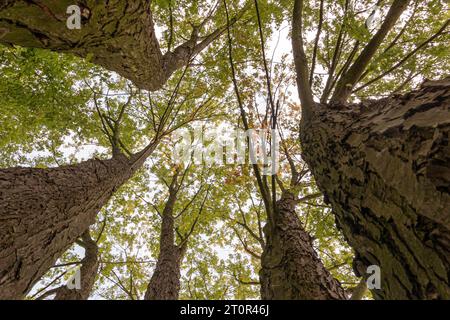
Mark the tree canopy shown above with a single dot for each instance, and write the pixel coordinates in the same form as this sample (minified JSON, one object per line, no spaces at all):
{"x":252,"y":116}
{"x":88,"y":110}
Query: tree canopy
{"x":222,"y":66}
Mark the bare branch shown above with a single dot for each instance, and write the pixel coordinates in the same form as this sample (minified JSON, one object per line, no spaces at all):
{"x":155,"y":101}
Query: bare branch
{"x":244,"y":244}
{"x":336,"y":56}
{"x":47,"y":286}
{"x":309,"y":197}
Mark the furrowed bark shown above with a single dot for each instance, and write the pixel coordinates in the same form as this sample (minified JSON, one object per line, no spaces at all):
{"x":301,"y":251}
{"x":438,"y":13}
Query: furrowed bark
{"x":165,"y":281}
{"x":385,"y":170}
{"x":348,"y":80}
{"x":118,"y":35}
{"x":44,"y":211}
{"x":291,"y":269}
{"x":88,"y":270}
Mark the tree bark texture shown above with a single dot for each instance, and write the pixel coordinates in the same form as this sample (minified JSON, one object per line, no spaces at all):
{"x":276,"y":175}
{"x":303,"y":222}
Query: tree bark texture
{"x":88,"y":271}
{"x":44,"y":211}
{"x":118,"y":35}
{"x":165,"y":281}
{"x":384,"y":167}
{"x":291,"y":269}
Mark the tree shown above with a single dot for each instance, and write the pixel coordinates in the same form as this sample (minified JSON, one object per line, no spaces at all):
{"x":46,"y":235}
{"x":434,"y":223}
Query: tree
{"x":88,"y":272}
{"x":375,"y":142}
{"x":165,"y":281}
{"x":39,"y":196}
{"x":118,"y":35}
{"x":381,"y":164}
{"x":290,"y":267}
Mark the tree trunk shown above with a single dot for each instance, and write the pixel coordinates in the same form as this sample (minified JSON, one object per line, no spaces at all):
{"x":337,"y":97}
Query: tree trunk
{"x":348,"y":80}
{"x":385,"y":169}
{"x":165,"y":281}
{"x":118,"y":35}
{"x":44,"y":211}
{"x":88,"y":271}
{"x":291,"y":269}
{"x":359,"y":291}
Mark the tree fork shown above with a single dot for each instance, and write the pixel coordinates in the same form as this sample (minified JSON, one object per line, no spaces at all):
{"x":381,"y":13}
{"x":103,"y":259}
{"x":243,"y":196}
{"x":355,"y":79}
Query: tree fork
{"x":118,"y":35}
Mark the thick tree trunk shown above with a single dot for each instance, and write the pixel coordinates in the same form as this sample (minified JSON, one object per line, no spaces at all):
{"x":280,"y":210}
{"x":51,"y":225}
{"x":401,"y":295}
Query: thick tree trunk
{"x":88,"y":271}
{"x":44,"y":211}
{"x":118,"y":35}
{"x":385,"y":169}
{"x":165,"y":281}
{"x":291,"y":269}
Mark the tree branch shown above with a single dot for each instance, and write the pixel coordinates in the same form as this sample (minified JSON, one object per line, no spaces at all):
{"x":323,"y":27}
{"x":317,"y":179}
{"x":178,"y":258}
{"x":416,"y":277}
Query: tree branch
{"x":301,"y":63}
{"x":405,"y":58}
{"x":346,"y":84}
{"x":316,"y":43}
{"x":263,"y":188}
{"x":336,"y":56}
